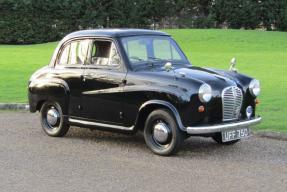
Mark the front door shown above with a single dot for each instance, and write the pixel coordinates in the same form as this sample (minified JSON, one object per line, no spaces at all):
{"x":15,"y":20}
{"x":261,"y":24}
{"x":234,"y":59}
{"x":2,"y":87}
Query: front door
{"x":104,"y":77}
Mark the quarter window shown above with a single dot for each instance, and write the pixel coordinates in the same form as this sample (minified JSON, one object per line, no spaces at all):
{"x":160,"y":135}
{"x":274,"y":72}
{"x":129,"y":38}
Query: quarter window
{"x":65,"y":55}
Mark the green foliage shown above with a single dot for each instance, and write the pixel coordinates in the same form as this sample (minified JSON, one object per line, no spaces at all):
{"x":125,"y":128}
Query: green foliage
{"x":274,"y":12}
{"x":38,"y":21}
{"x":237,"y":13}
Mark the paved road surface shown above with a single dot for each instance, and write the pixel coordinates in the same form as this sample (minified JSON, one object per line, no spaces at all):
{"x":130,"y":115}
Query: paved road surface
{"x":87,"y":160}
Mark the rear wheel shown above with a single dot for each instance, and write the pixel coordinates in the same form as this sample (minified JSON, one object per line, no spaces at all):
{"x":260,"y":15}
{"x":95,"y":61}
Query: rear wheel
{"x":218,"y":138}
{"x":52,"y":119}
{"x":162,"y":134}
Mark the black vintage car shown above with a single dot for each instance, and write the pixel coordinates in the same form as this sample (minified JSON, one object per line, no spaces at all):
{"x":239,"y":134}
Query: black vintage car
{"x":140,"y":80}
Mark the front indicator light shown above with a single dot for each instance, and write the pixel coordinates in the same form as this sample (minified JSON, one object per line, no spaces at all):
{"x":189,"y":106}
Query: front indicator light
{"x":201,"y":109}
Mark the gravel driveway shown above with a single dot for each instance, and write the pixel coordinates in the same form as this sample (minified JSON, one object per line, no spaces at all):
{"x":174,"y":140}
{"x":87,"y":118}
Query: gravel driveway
{"x":87,"y":160}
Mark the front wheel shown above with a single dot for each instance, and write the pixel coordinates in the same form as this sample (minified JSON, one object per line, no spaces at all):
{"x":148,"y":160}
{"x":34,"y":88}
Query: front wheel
{"x":52,"y":119}
{"x":162,"y":134}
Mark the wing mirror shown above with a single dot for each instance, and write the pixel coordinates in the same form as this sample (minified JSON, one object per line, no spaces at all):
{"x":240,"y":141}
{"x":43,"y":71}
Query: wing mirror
{"x":168,"y":66}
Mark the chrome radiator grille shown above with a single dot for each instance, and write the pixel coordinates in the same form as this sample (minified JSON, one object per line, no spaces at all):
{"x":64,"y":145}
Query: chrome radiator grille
{"x":231,"y":103}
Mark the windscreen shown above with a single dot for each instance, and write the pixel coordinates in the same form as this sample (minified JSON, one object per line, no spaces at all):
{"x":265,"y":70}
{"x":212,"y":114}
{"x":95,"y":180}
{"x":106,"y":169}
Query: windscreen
{"x":156,"y":49}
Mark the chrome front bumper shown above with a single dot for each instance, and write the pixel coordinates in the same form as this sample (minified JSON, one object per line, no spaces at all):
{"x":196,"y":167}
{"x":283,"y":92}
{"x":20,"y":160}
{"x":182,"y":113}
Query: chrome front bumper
{"x":222,"y":127}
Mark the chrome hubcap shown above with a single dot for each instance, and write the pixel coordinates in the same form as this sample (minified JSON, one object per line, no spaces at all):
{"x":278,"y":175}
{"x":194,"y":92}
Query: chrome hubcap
{"x":53,"y":116}
{"x":161,"y":132}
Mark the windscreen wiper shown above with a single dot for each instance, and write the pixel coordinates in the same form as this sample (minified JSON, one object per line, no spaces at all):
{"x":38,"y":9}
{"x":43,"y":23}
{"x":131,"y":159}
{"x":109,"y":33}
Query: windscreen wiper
{"x":157,"y":59}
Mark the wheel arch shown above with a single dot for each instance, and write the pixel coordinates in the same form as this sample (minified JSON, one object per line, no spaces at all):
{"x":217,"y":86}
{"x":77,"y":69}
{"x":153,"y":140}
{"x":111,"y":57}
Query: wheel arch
{"x":41,"y":91}
{"x":40,"y":104}
{"x":149,"y":106}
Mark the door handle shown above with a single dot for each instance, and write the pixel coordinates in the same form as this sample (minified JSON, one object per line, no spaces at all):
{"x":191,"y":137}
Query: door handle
{"x":83,"y":78}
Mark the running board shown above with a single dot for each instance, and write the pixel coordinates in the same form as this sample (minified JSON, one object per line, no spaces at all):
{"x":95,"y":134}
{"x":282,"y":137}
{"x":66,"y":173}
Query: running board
{"x":90,"y":123}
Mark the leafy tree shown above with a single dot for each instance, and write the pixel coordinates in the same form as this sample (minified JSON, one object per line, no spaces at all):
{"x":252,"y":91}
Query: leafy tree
{"x":36,"y":21}
{"x":237,"y":13}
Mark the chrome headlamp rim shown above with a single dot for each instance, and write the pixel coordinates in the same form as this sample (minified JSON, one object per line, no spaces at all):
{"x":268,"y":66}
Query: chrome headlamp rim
{"x":205,"y":93}
{"x":254,"y":87}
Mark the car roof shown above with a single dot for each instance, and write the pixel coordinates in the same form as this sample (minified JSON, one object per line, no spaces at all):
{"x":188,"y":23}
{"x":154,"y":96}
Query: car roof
{"x":114,"y":33}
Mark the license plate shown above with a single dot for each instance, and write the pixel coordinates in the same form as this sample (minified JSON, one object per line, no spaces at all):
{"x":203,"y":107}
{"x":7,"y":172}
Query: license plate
{"x":235,"y":134}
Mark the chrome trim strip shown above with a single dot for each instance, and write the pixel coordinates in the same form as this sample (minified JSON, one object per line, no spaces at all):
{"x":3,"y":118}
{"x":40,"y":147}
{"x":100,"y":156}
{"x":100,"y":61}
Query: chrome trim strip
{"x":71,"y":120}
{"x":222,"y":127}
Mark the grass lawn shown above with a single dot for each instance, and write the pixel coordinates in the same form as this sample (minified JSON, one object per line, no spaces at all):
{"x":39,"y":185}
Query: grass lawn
{"x":262,"y":55}
{"x":17,"y":63}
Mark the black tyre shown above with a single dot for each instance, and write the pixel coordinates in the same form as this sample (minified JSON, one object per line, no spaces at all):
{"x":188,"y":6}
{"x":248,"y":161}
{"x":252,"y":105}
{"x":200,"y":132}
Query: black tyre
{"x":162,"y":134}
{"x":218,"y":138}
{"x":52,"y":119}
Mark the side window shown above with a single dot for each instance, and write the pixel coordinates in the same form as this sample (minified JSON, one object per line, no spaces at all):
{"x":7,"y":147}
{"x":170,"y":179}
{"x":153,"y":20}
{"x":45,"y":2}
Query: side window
{"x":75,"y":53}
{"x":104,"y":54}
